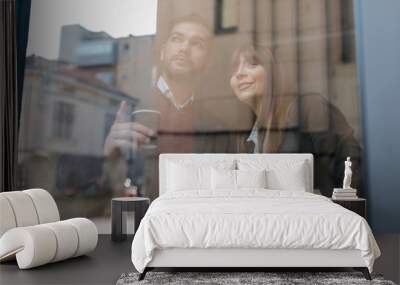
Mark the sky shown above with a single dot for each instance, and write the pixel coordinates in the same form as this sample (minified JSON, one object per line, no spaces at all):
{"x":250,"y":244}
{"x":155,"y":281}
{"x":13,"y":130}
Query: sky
{"x":119,"y":18}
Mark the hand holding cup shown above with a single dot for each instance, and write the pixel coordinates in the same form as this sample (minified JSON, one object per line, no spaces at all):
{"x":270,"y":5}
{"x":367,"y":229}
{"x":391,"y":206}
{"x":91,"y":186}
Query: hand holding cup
{"x":126,"y":134}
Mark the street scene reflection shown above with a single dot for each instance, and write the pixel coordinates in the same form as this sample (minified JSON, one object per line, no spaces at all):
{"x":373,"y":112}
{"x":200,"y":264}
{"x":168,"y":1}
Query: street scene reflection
{"x":216,"y":76}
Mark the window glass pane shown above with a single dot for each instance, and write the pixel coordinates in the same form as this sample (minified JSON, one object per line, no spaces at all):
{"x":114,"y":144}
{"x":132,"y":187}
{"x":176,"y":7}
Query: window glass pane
{"x":230,"y":16}
{"x":110,"y":87}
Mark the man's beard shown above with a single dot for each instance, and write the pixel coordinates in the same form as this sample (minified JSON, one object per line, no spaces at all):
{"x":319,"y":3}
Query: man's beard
{"x":180,"y":76}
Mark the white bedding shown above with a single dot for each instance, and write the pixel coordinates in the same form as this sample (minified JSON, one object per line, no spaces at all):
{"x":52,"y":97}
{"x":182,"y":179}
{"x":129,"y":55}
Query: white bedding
{"x":251,"y":218}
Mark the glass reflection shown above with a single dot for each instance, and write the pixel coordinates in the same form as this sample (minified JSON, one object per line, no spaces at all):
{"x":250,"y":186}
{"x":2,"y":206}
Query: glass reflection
{"x":301,"y":123}
{"x":223,"y":76}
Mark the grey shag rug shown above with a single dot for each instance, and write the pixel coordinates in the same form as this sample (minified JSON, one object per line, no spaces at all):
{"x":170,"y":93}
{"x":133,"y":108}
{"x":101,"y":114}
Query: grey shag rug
{"x":243,"y":278}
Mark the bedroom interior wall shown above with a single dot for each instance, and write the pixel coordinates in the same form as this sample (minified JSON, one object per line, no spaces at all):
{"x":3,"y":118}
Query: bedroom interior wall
{"x":90,"y":85}
{"x":378,"y":43}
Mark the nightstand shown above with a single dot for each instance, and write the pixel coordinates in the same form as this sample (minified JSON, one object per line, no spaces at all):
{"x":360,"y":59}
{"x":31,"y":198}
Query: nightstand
{"x":138,"y":205}
{"x":358,"y":206}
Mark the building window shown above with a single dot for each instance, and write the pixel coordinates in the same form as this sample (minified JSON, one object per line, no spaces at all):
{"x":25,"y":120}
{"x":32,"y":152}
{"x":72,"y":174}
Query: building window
{"x":347,"y":31}
{"x":106,"y":77}
{"x":63,"y":120}
{"x":226,"y":16}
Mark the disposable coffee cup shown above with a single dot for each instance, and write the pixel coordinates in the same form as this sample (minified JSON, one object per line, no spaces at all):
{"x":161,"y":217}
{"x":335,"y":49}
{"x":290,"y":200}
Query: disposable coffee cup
{"x":150,"y":119}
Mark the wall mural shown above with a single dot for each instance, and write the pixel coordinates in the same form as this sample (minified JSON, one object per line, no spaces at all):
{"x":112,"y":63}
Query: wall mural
{"x":217,"y":76}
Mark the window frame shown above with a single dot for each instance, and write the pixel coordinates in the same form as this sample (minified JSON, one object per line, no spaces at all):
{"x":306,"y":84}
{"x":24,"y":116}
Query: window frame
{"x":218,"y":20}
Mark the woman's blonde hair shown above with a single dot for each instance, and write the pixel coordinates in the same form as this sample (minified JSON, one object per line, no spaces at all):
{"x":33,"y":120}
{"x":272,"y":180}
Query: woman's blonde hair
{"x":274,"y":109}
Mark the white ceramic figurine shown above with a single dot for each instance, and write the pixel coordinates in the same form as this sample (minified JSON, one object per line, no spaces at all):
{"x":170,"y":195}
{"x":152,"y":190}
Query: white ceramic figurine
{"x":347,"y":174}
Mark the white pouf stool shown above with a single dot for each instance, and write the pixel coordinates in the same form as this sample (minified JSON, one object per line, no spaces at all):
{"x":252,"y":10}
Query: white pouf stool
{"x":31,"y":230}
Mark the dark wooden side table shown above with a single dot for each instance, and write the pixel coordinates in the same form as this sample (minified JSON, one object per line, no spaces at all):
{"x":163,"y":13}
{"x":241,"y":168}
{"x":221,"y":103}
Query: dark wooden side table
{"x":139,"y":205}
{"x":358,"y":205}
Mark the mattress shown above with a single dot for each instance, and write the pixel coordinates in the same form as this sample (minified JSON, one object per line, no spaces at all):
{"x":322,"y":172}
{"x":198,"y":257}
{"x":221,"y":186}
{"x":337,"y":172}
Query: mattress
{"x":251,"y":219}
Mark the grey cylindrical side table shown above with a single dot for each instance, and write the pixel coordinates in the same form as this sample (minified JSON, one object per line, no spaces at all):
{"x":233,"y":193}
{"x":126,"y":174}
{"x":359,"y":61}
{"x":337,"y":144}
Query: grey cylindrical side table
{"x":139,"y":205}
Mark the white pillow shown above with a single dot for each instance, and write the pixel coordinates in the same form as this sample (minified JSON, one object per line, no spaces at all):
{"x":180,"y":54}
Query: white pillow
{"x":281,"y":174}
{"x":236,"y":179}
{"x":251,"y":178}
{"x":192,"y":174}
{"x":292,"y":179}
{"x":223,"y":179}
{"x":188,"y":177}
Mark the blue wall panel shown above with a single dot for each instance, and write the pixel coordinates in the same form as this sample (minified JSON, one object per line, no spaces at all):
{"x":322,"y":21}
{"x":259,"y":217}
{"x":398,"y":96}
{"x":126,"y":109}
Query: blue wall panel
{"x":378,"y":58}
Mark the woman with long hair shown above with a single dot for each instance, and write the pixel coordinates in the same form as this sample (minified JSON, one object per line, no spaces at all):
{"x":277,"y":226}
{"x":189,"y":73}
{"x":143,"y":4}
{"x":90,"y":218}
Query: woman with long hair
{"x":257,"y":81}
{"x":292,"y":123}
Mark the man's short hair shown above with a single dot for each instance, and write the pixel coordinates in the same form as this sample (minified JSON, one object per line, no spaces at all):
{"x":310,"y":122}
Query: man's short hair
{"x":192,"y":18}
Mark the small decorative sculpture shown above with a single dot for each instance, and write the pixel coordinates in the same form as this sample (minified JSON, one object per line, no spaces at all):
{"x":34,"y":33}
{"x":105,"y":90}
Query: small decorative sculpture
{"x":347,"y":174}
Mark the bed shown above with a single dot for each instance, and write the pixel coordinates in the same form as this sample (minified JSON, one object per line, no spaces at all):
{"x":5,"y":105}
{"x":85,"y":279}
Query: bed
{"x":247,"y":210}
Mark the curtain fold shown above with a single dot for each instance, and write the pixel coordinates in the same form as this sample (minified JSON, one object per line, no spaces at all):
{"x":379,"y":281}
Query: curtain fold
{"x":8,"y":88}
{"x":12,"y":57}
{"x":23,"y":11}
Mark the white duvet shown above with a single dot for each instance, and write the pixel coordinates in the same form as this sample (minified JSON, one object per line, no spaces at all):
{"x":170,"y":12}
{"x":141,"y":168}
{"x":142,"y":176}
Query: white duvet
{"x":252,"y":218}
